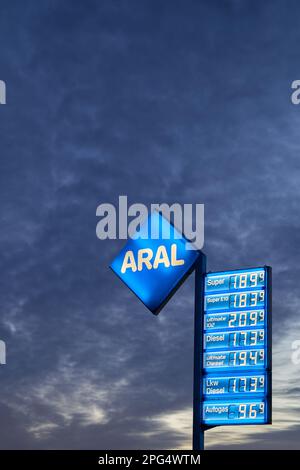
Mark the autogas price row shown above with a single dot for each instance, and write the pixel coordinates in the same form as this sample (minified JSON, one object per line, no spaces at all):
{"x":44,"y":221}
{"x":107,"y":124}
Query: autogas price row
{"x":231,"y":412}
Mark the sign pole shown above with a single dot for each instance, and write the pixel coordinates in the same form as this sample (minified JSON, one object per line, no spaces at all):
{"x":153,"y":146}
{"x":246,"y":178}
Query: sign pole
{"x":198,"y":426}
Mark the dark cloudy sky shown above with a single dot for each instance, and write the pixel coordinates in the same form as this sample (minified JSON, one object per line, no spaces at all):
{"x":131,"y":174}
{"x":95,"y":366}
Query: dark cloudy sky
{"x":174,"y":101}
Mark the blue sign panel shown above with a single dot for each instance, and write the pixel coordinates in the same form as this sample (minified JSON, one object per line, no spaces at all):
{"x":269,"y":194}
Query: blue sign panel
{"x":234,"y":385}
{"x":216,"y":321}
{"x":235,"y":412}
{"x":235,"y":339}
{"x":235,"y":280}
{"x":237,"y":359}
{"x":237,"y":347}
{"x":155,"y":261}
{"x":231,"y":301}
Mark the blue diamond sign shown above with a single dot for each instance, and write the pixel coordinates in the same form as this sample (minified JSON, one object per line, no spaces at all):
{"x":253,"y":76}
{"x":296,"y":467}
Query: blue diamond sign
{"x":155,"y":261}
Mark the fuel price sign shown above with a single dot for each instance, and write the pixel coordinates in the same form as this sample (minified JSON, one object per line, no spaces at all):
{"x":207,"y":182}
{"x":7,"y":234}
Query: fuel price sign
{"x":237,"y":348}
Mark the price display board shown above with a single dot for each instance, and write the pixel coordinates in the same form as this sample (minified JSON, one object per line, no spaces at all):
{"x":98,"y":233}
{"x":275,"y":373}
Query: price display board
{"x":236,"y":375}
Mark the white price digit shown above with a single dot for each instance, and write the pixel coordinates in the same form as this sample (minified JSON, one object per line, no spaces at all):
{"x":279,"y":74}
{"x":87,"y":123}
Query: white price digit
{"x":242,"y":300}
{"x":261,"y":315}
{"x":253,"y":384}
{"x":243,"y":383}
{"x":234,"y":281}
{"x":232,"y":359}
{"x":232,"y":339}
{"x":261,"y":408}
{"x":232,"y":319}
{"x":242,"y":358}
{"x":261,"y":382}
{"x":262,"y":355}
{"x":243,"y":337}
{"x":253,"y":299}
{"x":253,"y":279}
{"x":243,"y":281}
{"x":253,"y":338}
{"x":243,"y":319}
{"x":242,"y":411}
{"x":253,"y":318}
{"x":261,"y":335}
{"x":232,"y":385}
{"x":252,"y":411}
{"x":253,"y":357}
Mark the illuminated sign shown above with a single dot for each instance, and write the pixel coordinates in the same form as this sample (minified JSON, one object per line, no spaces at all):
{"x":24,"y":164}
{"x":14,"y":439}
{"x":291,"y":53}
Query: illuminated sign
{"x":234,"y":319}
{"x":234,"y":385}
{"x":235,"y":412}
{"x":155,"y":261}
{"x":243,"y":299}
{"x":237,"y":347}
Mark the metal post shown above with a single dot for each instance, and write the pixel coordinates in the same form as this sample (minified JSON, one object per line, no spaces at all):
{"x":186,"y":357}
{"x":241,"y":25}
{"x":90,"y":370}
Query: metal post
{"x":198,"y":427}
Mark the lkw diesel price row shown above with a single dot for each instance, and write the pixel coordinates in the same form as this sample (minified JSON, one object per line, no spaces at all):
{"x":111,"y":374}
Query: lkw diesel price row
{"x":234,"y":385}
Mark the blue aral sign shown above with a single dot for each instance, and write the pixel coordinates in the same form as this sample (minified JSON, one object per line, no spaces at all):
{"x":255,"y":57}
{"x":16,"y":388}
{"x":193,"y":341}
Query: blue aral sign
{"x":155,"y":261}
{"x":237,"y":347}
{"x":232,"y":341}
